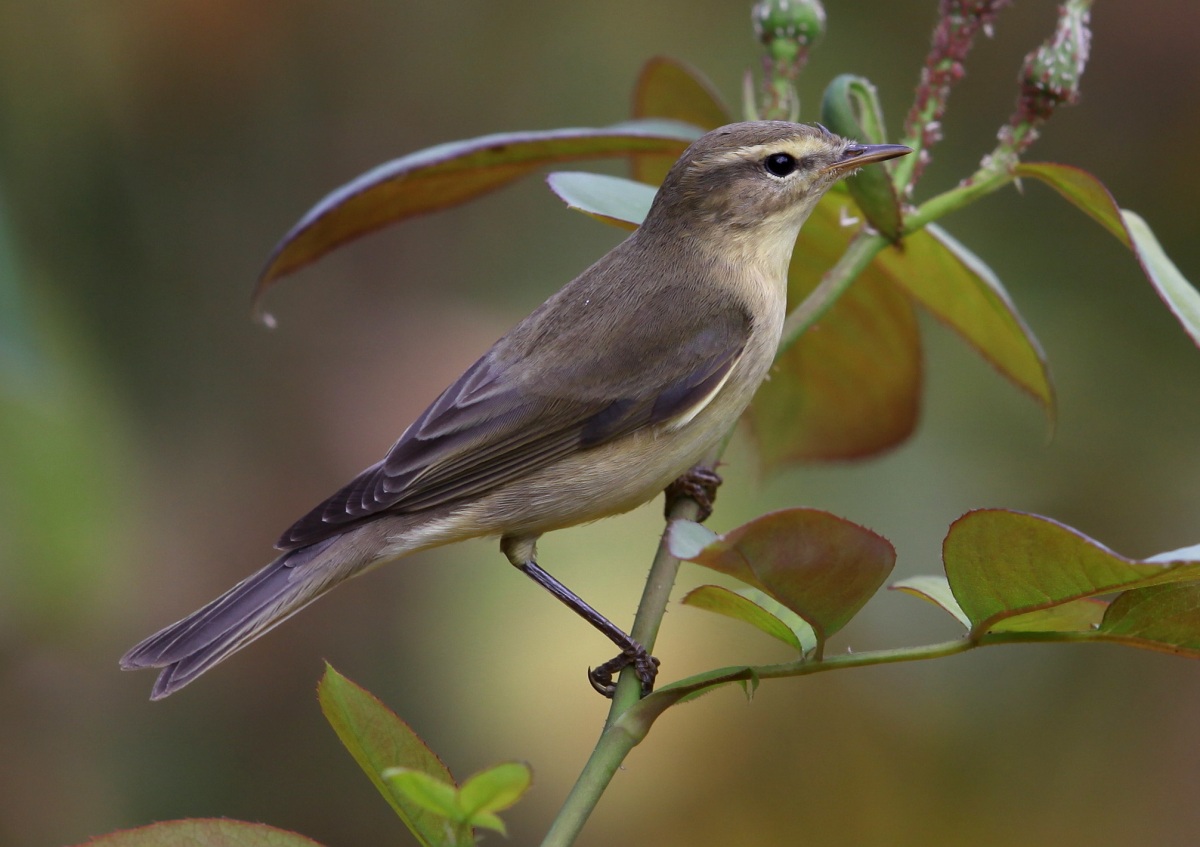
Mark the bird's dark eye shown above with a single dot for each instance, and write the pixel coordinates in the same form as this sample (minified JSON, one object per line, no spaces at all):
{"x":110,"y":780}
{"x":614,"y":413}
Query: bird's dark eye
{"x":780,"y":164}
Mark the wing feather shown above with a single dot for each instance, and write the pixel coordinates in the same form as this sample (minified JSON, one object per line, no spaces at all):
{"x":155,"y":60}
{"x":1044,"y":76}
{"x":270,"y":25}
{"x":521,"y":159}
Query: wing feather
{"x":530,"y":401}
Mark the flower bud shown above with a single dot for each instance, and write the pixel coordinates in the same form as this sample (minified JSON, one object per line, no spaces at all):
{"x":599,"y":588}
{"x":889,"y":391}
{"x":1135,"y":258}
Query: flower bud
{"x":1051,"y":74}
{"x":1049,"y":78}
{"x":787,"y":28}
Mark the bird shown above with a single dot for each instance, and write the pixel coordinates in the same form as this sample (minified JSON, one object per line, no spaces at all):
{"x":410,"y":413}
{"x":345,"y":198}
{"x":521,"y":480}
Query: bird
{"x":604,"y":395}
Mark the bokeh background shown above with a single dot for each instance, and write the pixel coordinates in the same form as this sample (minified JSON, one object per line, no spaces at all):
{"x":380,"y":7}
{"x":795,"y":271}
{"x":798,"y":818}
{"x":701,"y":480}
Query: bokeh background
{"x":154,"y":440}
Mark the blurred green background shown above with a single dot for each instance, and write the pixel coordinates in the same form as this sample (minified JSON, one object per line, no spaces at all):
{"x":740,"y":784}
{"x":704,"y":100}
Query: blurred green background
{"x":154,"y":440}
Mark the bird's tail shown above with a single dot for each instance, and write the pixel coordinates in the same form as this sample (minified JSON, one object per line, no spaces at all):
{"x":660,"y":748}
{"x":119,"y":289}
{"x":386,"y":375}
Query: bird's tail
{"x":188,"y":648}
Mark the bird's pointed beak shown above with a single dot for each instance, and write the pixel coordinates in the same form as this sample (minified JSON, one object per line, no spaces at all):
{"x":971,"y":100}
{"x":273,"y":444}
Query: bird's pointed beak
{"x":857,"y":155}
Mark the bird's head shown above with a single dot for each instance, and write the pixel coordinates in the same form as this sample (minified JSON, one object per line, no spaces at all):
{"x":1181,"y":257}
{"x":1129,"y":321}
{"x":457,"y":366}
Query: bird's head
{"x":757,"y":180}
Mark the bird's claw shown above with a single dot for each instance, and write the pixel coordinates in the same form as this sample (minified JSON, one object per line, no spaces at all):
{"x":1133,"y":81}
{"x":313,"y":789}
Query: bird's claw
{"x":645,"y":666}
{"x":699,"y":485}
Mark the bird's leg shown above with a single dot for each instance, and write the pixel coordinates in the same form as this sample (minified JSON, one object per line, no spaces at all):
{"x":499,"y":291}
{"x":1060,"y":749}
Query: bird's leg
{"x":699,"y":485}
{"x":521,"y":553}
{"x":632,"y":654}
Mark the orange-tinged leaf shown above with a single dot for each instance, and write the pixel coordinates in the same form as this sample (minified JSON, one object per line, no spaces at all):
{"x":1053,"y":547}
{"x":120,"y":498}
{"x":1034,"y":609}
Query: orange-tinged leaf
{"x":820,"y":566}
{"x":202,"y":832}
{"x":849,"y":388}
{"x":1001,"y":564}
{"x":668,"y":88}
{"x":452,"y":173}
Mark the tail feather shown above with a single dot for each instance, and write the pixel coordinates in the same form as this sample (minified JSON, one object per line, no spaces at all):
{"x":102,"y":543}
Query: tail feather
{"x":187,"y":648}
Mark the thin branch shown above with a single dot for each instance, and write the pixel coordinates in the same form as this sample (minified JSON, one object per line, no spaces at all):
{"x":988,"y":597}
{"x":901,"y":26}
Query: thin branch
{"x":638,"y":720}
{"x":615,"y":741}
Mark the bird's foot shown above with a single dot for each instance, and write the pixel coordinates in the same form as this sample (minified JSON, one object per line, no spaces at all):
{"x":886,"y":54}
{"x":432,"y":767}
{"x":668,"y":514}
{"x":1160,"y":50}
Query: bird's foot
{"x":699,"y":485}
{"x":644,"y":665}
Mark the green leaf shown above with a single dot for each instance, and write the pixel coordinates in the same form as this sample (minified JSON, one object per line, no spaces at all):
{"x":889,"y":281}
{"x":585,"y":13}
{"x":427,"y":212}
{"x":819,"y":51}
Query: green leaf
{"x":202,"y":833}
{"x":1191,"y":552}
{"x":688,"y":539}
{"x":936,"y":590}
{"x":850,"y":107}
{"x":758,"y":610}
{"x":1083,"y":190}
{"x":427,"y":791}
{"x":378,"y":739}
{"x":487,"y":820}
{"x":1001,"y":564}
{"x":611,"y":199}
{"x":1082,"y":615}
{"x":474,"y":804}
{"x":818,"y":565}
{"x":668,"y":88}
{"x":1089,"y":194}
{"x":494,"y":790}
{"x":1161,"y":617}
{"x":962,"y":291}
{"x":448,"y":174}
{"x":1176,"y":292}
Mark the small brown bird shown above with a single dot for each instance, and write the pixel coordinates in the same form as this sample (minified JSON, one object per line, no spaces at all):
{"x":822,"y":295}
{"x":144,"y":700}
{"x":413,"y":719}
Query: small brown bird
{"x":590,"y":406}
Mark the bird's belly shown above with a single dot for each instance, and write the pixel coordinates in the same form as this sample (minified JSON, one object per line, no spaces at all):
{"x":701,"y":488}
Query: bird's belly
{"x":615,"y":477}
{"x":592,"y":484}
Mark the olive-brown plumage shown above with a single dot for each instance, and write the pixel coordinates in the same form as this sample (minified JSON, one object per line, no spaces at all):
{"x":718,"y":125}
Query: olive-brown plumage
{"x":589,"y":407}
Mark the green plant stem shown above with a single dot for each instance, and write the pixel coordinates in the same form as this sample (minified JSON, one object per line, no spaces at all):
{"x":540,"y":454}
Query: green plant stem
{"x":638,"y":720}
{"x":984,"y":181}
{"x":612,"y":748}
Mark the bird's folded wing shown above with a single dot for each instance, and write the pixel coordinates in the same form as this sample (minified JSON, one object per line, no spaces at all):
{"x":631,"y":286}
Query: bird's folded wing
{"x":523,"y":406}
